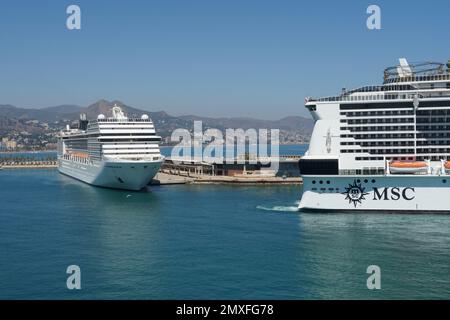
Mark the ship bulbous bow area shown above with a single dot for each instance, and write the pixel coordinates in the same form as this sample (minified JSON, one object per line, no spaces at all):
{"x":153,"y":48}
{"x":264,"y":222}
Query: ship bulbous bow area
{"x":127,"y":175}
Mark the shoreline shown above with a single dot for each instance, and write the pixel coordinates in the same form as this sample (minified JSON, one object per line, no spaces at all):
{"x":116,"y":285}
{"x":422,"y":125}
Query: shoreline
{"x":31,"y":152}
{"x":28,"y":166}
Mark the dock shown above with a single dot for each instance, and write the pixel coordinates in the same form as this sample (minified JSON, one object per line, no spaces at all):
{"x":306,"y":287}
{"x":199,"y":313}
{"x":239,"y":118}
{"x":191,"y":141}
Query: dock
{"x":29,"y":165}
{"x":237,"y":171}
{"x":162,"y":178}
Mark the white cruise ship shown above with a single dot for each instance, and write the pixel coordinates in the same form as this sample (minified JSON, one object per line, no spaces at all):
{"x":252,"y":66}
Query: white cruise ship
{"x":117,"y":152}
{"x":382,"y":148}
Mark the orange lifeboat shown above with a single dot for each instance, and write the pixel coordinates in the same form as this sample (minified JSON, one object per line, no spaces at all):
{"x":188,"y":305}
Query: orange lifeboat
{"x":447,"y":165}
{"x":410,"y":167}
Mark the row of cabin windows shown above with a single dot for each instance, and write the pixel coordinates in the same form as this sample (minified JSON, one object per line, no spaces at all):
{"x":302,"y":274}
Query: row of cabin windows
{"x":379,"y":143}
{"x":441,"y":112}
{"x":433,"y":128}
{"x":396,"y":113}
{"x":397,"y":120}
{"x":420,"y":135}
{"x":397,"y":143}
{"x":433,"y":142}
{"x":379,"y":151}
{"x":378,"y":120}
{"x":377,"y":113}
{"x":369,"y":158}
{"x":379,"y":136}
{"x":433,"y":120}
{"x":399,"y":128}
{"x":434,"y":135}
{"x":379,"y":128}
{"x":433,"y":150}
{"x":417,"y":158}
{"x":398,"y":151}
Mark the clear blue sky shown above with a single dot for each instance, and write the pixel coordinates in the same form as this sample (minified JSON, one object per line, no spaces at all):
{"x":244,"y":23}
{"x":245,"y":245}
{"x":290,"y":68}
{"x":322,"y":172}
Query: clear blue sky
{"x":215,"y":57}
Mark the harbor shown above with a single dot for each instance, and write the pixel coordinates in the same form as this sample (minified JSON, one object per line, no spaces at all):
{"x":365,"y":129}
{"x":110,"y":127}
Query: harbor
{"x":183,"y":171}
{"x":215,"y":241}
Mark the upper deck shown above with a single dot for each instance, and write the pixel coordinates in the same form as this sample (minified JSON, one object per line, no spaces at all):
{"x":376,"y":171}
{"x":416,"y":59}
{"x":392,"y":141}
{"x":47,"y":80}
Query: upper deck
{"x":402,"y":82}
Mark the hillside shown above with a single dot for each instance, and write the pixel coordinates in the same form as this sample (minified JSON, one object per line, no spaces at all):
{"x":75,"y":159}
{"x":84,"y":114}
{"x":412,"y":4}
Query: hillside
{"x":38,"y":120}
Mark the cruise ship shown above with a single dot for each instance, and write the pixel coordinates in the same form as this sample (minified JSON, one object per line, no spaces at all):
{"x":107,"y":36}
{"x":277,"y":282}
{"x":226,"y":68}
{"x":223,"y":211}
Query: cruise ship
{"x":115,"y":152}
{"x":383,"y":148}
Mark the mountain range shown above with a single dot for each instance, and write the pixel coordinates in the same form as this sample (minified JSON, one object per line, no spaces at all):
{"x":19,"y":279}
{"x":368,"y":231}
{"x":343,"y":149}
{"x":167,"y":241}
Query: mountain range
{"x":165,"y":123}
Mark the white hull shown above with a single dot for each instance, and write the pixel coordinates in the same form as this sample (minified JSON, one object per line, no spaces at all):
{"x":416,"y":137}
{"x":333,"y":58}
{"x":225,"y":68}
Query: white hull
{"x":399,"y":193}
{"x":128,"y":175}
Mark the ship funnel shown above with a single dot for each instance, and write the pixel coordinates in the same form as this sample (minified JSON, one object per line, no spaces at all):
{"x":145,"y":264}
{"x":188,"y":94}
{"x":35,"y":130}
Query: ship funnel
{"x":83,"y":123}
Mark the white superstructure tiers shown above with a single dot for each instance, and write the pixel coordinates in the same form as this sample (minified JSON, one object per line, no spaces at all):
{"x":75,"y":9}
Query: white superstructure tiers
{"x":381,"y":132}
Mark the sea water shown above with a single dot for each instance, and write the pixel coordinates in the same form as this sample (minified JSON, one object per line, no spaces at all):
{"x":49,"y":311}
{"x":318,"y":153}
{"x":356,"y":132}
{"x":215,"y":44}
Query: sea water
{"x":207,"y":242}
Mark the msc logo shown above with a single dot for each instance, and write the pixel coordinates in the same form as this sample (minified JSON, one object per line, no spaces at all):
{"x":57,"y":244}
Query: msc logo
{"x":355,"y":193}
{"x":394,"y":194}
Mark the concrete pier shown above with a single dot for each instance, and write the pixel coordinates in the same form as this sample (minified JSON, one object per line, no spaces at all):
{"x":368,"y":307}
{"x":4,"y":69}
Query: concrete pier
{"x":162,"y":178}
{"x":166,"y":177}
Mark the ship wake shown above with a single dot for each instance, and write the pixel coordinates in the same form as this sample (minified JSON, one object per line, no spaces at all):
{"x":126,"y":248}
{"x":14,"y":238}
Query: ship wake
{"x":278,"y":208}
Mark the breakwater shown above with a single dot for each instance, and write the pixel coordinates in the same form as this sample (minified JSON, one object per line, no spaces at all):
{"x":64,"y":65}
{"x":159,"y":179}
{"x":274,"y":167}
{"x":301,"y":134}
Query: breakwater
{"x":28,"y":160}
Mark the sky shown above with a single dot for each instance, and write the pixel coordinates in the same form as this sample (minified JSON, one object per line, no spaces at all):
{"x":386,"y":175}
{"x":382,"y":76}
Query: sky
{"x":218,"y":58}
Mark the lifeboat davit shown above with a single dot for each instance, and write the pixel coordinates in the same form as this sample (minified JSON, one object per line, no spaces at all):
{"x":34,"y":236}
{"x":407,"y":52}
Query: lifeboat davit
{"x":408,"y":167}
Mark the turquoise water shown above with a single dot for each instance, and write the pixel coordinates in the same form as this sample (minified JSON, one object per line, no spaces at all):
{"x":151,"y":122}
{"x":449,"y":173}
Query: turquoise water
{"x":207,"y":242}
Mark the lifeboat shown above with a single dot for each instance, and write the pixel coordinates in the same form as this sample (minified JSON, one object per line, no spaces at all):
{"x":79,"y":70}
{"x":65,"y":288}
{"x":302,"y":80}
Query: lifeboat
{"x":447,"y":166}
{"x":408,"y":167}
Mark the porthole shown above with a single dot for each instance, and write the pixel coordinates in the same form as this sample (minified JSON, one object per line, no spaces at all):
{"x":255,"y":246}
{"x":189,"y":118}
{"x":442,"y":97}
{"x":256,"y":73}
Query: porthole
{"x":444,"y":181}
{"x":365,"y":180}
{"x":373,"y":181}
{"x":314,"y":182}
{"x":321,"y":182}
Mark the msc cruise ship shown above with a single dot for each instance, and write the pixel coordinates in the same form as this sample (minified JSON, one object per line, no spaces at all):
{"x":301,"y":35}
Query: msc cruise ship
{"x":383,"y":148}
{"x":116,"y":152}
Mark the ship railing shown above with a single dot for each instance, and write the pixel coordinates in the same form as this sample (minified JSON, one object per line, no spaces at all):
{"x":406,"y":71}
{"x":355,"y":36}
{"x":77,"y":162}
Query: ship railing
{"x":122,"y":120}
{"x":421,"y":78}
{"x":376,"y":97}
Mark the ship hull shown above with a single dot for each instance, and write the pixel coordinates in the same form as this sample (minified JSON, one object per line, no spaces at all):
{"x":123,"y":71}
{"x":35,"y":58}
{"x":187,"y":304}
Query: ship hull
{"x":384,"y":194}
{"x":126,"y":175}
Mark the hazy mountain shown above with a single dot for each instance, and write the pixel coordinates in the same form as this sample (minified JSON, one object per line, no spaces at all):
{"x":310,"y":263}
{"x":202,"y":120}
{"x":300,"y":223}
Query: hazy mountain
{"x":164,"y":123}
{"x":288,"y":123}
{"x":49,"y":114}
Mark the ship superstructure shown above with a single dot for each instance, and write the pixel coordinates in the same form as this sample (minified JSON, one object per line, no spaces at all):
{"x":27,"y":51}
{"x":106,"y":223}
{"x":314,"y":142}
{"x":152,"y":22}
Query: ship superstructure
{"x":114,"y":152}
{"x":382,"y":147}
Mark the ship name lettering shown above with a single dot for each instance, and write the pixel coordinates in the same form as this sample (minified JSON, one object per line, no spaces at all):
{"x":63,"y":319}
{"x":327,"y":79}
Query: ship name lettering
{"x":394,"y":193}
